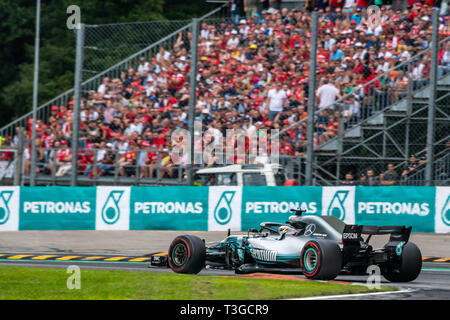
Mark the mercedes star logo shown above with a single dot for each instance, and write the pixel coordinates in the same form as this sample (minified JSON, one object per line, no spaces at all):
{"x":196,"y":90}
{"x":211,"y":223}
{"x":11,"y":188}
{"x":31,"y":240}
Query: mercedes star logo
{"x":310,"y":228}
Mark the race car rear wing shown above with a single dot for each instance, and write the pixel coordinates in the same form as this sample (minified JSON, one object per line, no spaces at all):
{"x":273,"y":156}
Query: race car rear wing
{"x":352,"y":233}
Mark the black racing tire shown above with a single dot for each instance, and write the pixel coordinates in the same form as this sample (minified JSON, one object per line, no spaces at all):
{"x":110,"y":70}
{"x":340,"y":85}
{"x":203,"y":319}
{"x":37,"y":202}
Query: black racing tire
{"x":321,"y":260}
{"x":187,"y":254}
{"x":410,"y":265}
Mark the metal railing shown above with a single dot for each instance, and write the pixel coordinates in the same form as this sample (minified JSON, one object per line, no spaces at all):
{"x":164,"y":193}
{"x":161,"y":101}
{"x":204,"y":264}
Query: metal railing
{"x":108,"y":167}
{"x":125,"y":167}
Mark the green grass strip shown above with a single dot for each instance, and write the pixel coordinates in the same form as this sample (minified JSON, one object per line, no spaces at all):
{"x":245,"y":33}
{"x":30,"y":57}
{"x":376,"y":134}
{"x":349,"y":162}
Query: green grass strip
{"x":51,"y":283}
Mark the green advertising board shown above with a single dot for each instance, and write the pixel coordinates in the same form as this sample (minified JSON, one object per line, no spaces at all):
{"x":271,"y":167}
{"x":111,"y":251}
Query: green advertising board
{"x":221,"y":208}
{"x":274,"y":204}
{"x":410,"y":206}
{"x":57,"y":208}
{"x":169,"y":208}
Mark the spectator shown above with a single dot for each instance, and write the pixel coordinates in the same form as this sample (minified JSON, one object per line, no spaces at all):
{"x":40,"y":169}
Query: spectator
{"x":353,"y":113}
{"x":348,"y":180}
{"x":127,"y":164}
{"x":275,"y":4}
{"x":400,"y":86}
{"x":104,"y":86}
{"x":327,"y":94}
{"x":250,"y":8}
{"x":143,"y":66}
{"x":63,"y":159}
{"x":390,"y":178}
{"x":444,"y":65}
{"x":276,"y":99}
{"x":410,"y":167}
{"x":107,"y":163}
{"x":370,"y":178}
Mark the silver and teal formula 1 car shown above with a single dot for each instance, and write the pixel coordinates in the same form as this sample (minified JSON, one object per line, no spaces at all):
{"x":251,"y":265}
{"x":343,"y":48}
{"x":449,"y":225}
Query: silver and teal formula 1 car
{"x":320,"y":247}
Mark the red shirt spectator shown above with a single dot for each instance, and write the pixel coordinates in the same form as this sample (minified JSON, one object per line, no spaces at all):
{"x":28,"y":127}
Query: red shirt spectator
{"x":362,"y":3}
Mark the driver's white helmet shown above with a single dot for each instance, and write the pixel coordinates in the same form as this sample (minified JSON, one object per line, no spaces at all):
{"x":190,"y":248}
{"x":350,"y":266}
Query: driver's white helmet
{"x":286,"y":229}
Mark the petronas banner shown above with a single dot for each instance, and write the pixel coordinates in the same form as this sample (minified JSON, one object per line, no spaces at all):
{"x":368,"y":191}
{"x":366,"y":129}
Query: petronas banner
{"x":426,"y":209}
{"x":382,"y":206}
{"x":274,"y":204}
{"x":168,"y":208}
{"x":56,"y":208}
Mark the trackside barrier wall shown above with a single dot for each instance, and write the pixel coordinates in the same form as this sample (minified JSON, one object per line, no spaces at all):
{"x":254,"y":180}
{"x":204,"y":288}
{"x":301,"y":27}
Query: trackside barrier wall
{"x":426,"y":209}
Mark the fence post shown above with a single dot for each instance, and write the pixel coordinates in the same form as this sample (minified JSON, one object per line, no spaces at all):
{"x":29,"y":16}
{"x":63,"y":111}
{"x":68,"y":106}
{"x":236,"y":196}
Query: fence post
{"x":312,"y":100}
{"x":340,"y":143}
{"x":19,"y":157}
{"x":192,"y":98}
{"x":76,"y":105}
{"x":432,"y":98}
{"x":409,"y":105}
{"x":137,"y":169}
{"x":116,"y":166}
{"x":35,"y":95}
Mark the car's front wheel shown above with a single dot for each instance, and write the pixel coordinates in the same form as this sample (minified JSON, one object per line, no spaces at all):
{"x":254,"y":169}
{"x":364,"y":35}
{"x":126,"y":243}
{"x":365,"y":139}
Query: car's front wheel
{"x":187,"y":254}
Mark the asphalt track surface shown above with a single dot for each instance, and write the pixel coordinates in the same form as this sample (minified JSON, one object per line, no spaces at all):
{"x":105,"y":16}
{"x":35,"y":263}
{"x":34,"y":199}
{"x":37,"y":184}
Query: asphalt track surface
{"x":131,"y":249}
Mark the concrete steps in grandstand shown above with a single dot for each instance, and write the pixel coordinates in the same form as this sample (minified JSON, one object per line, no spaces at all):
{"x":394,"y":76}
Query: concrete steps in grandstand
{"x":379,"y":120}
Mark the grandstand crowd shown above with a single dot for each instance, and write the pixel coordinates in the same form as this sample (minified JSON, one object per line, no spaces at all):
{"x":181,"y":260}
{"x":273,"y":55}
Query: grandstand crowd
{"x":253,"y":73}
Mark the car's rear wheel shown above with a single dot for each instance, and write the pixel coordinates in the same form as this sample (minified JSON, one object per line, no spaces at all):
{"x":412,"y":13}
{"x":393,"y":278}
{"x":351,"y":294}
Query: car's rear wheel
{"x":187,"y":254}
{"x":409,"y":267}
{"x":321,"y":259}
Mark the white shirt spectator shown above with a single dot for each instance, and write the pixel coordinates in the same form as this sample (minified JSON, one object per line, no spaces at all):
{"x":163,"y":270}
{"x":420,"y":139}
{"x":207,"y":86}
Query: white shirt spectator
{"x":378,"y":30}
{"x":386,"y":55}
{"x":83,"y":115}
{"x":250,"y":129}
{"x":276,"y":99}
{"x":204,"y":33}
{"x":383,"y":67}
{"x":327,"y":95}
{"x":101,"y":154}
{"x":355,"y":108}
{"x":122,"y":147}
{"x":446,"y":58}
{"x":102,"y":88}
{"x":417,"y":72}
{"x":244,"y":29}
{"x":93,"y":116}
{"x":142,"y":158}
{"x":349,"y":3}
{"x":166,"y":56}
{"x":329,"y":44}
{"x":150,"y":89}
{"x":233,"y":42}
{"x":182,"y":116}
{"x":143,"y":67}
{"x":134,"y":128}
{"x":216,"y":135}
{"x":405,"y":54}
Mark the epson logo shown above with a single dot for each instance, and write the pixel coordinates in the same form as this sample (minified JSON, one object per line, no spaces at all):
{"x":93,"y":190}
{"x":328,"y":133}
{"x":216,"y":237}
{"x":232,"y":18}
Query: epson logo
{"x":349,"y":236}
